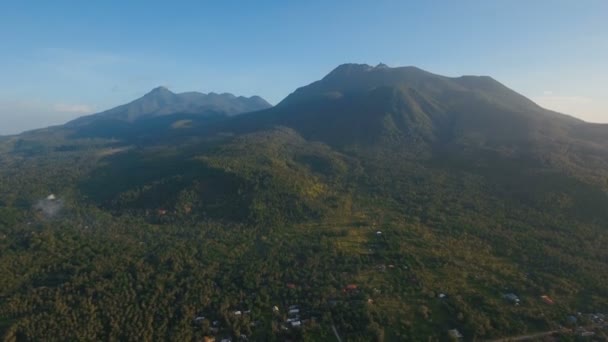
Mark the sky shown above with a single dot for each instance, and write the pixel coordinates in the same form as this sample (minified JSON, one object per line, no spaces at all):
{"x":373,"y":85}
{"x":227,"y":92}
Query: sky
{"x":62,"y":59}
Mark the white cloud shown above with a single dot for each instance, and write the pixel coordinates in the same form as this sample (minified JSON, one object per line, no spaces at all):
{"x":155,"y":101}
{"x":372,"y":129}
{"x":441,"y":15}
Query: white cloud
{"x":551,"y":100}
{"x":583,"y":107}
{"x":18,"y":116}
{"x":73,"y":108}
{"x":77,"y":58}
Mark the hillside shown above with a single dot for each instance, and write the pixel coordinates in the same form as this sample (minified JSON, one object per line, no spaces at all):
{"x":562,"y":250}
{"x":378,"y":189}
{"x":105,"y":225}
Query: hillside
{"x":389,"y":203}
{"x":417,"y":114}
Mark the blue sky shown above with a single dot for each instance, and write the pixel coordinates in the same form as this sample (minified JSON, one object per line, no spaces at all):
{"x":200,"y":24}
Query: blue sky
{"x":62,"y":59}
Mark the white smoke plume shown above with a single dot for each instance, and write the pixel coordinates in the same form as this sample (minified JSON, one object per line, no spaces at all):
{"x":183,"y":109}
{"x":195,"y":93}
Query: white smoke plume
{"x":49,"y":206}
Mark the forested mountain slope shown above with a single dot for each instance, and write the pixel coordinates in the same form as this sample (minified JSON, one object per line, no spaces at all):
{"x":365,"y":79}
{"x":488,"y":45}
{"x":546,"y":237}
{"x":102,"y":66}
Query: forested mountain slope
{"x":391,"y":203}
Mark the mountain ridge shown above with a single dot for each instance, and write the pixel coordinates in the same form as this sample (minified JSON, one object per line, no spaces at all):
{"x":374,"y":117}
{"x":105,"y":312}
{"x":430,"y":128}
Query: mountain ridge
{"x":477,"y":103}
{"x":161,"y":101}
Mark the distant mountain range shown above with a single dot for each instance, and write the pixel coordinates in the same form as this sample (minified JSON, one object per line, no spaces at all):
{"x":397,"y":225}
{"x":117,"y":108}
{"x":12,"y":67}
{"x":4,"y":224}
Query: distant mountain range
{"x":161,"y":101}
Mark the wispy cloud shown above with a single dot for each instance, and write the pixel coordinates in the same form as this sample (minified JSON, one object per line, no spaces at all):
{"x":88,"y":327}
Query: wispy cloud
{"x":18,"y":116}
{"x":53,"y":85}
{"x":83,"y":67}
{"x":584,"y":107}
{"x":72,"y":108}
{"x":81,"y":58}
{"x":549,"y":100}
{"x":40,"y":106}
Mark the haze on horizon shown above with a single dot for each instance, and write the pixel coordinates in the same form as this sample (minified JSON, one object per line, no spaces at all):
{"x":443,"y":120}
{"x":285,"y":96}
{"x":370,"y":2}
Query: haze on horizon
{"x":62,"y":60}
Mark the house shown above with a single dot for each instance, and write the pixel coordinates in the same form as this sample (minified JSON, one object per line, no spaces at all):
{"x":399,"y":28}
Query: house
{"x":351,"y":287}
{"x":51,"y":197}
{"x":296,"y":324}
{"x":442,"y":295}
{"x":584,"y":332}
{"x":378,"y":233}
{"x":294,"y":311}
{"x":237,"y":313}
{"x":291,"y":286}
{"x":547,"y":299}
{"x":455,"y":334}
{"x":511,"y":297}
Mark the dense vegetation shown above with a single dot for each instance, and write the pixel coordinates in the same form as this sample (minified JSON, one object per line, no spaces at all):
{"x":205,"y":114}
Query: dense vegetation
{"x":388,"y":212}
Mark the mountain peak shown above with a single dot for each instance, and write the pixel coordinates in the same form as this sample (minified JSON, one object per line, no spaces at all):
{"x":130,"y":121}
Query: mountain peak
{"x":379,"y":72}
{"x":160,"y":90}
{"x":349,"y":68}
{"x":357,"y":78}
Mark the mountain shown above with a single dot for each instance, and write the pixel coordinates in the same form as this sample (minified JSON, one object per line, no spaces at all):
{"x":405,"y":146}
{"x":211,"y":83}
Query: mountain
{"x":415,"y":113}
{"x":161,"y":113}
{"x":161,"y":102}
{"x":385,"y":203}
{"x":364,"y":103}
